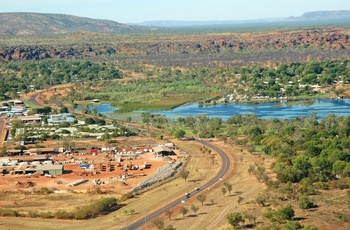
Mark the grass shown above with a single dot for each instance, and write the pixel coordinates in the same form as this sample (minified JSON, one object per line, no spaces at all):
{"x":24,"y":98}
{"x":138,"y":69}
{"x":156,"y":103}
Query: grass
{"x":31,"y":105}
{"x":25,"y":204}
{"x":61,"y":197}
{"x":130,"y":106}
{"x":167,"y":103}
{"x":259,"y":148}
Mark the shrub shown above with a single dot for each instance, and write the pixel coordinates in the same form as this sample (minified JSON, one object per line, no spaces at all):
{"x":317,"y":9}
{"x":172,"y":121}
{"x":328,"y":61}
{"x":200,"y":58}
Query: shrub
{"x":305,"y":203}
{"x":47,"y":215}
{"x":234,"y":219}
{"x":45,"y":190}
{"x":286,"y":213}
{"x":280,"y":215}
{"x":95,"y":209}
{"x":348,"y":194}
{"x":33,"y":214}
{"x":158,"y":223}
{"x":292,"y":225}
{"x":64,"y":215}
{"x":8,"y":212}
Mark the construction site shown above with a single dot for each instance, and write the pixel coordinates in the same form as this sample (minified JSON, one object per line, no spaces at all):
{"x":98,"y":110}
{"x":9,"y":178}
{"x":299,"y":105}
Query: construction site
{"x":119,"y":170}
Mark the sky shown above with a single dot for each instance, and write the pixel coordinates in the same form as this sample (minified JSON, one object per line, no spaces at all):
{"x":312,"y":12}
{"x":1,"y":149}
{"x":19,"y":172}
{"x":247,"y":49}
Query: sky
{"x":133,"y":11}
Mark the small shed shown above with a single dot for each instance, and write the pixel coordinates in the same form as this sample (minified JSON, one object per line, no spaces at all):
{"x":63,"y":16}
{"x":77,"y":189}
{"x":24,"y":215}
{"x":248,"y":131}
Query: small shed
{"x":55,"y":170}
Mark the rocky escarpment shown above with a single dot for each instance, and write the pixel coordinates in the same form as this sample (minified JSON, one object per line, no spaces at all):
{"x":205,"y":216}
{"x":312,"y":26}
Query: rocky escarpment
{"x":43,"y":52}
{"x":221,"y":44}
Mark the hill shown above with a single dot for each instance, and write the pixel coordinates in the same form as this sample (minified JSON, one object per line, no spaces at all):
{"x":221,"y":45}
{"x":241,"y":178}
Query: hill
{"x":174,"y":23}
{"x":324,"y":15}
{"x":306,"y":17}
{"x":36,"y":24}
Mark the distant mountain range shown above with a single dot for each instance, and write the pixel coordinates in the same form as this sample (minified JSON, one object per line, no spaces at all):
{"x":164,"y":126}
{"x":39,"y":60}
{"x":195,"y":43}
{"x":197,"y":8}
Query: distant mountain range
{"x":322,"y":15}
{"x":309,"y":16}
{"x":35,"y":23}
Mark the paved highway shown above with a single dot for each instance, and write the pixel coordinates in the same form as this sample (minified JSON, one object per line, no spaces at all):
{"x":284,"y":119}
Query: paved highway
{"x":226,"y":164}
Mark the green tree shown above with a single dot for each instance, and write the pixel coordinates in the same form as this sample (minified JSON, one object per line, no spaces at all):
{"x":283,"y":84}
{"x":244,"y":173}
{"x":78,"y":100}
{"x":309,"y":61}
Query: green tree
{"x":202,"y":198}
{"x":286,"y":213}
{"x":158,"y":223}
{"x":128,"y":119}
{"x":179,"y":133}
{"x":223,"y":190}
{"x":305,"y":203}
{"x":89,"y":121}
{"x":64,"y":109}
{"x":228,"y":187}
{"x":106,"y":136}
{"x":16,"y":123}
{"x":183,"y":211}
{"x":146,"y":119}
{"x":184,"y":174}
{"x":240,"y":199}
{"x":281,"y":215}
{"x":302,"y":164}
{"x":292,"y":225}
{"x":338,"y":167}
{"x":194,"y":208}
{"x":234,"y":219}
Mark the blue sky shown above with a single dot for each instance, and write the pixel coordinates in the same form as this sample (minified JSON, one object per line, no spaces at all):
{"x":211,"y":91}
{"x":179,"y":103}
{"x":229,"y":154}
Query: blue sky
{"x":199,"y":10}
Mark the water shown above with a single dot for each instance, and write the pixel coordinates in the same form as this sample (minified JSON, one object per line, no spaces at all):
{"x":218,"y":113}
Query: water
{"x":103,"y":108}
{"x":281,"y":110}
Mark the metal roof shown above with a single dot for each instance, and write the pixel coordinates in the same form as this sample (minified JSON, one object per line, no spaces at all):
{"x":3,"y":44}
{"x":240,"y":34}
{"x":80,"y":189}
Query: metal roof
{"x":159,"y":149}
{"x":49,"y":167}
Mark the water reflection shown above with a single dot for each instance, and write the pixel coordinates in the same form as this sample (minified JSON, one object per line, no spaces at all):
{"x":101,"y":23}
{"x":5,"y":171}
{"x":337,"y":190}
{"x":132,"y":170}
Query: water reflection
{"x":281,"y":110}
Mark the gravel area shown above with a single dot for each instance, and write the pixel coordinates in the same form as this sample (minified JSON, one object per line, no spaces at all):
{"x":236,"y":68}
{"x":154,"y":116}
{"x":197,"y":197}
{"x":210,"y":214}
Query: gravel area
{"x":162,"y":173}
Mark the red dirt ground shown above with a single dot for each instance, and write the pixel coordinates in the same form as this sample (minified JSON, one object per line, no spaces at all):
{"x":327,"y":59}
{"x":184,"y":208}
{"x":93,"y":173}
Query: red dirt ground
{"x":73,"y":172}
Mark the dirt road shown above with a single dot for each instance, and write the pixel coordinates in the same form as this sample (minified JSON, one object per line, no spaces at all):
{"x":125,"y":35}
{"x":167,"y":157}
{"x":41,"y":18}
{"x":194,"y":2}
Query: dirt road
{"x":3,"y":131}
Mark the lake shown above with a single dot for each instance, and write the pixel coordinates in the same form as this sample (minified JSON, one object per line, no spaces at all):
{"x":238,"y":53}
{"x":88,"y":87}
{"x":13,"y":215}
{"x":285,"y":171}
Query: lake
{"x":282,"y":110}
{"x":103,"y":108}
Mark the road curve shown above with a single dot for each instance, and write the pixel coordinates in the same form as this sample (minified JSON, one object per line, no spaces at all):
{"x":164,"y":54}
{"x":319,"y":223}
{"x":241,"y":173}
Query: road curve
{"x":226,"y":164}
{"x":33,"y":100}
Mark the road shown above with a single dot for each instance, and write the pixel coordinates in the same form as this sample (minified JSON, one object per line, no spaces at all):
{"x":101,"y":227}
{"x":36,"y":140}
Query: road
{"x":32,"y":99}
{"x":3,"y":131}
{"x":226,"y":164}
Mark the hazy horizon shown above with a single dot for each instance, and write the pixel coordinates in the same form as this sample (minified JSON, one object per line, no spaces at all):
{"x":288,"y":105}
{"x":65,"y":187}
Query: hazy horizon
{"x":136,"y":11}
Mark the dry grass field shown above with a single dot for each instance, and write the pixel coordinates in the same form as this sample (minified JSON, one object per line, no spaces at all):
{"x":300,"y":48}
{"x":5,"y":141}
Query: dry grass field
{"x":330,"y":213}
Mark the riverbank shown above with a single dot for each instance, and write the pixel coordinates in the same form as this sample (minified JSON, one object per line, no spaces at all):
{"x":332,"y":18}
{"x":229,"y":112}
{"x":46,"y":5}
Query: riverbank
{"x":283,"y":109}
